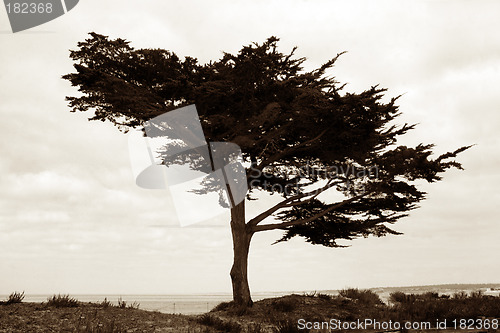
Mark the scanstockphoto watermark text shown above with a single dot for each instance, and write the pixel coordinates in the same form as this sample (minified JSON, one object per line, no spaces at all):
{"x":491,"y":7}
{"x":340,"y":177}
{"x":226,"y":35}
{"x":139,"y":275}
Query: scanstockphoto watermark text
{"x":24,"y":15}
{"x":363,"y":324}
{"x":349,"y":175}
{"x":175,"y":155}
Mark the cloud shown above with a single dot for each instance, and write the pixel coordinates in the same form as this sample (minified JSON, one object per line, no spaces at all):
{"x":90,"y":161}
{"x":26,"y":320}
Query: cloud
{"x":71,"y":213}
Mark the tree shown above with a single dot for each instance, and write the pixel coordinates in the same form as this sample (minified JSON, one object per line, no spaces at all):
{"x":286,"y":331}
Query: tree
{"x":300,"y":135}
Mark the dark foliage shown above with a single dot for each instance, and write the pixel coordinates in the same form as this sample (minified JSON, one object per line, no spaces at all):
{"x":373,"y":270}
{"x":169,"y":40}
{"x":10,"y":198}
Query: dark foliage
{"x":284,"y":304}
{"x":62,"y":301}
{"x":362,"y":296}
{"x":219,"y":324}
{"x":293,"y":126}
{"x":14,"y":298}
{"x":431,"y":306}
{"x":223,"y":306}
{"x":289,"y":326}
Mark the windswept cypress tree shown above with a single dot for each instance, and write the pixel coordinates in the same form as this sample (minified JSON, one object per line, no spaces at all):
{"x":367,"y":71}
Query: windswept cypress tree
{"x":301,"y":135}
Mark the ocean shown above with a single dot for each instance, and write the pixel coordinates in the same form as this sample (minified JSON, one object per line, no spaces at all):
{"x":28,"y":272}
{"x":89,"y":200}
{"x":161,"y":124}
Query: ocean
{"x":201,"y":303}
{"x":175,"y":303}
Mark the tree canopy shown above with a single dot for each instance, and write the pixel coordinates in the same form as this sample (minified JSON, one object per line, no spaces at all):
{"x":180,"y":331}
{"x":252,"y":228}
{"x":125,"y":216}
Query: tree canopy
{"x":299,"y":132}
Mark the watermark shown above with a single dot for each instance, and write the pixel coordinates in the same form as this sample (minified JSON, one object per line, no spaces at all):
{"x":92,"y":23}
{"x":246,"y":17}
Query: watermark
{"x":349,"y":176}
{"x":26,"y":14}
{"x":373,"y":324}
{"x":362,"y":324}
{"x":174,"y":155}
{"x":205,"y":179}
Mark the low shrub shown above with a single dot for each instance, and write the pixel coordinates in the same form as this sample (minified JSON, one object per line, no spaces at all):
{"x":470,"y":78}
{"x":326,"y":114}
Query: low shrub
{"x":121,"y":303}
{"x":432,"y":307}
{"x":93,"y":325}
{"x":227,"y":326}
{"x":289,"y":326}
{"x":324,"y":296}
{"x":106,"y":304}
{"x":362,"y":296}
{"x":134,"y":305}
{"x":223,"y":306}
{"x":255,"y":328}
{"x":284,"y":305}
{"x":402,"y":298}
{"x":460,"y":295}
{"x":476,"y":294}
{"x":62,"y":301}
{"x":14,"y":298}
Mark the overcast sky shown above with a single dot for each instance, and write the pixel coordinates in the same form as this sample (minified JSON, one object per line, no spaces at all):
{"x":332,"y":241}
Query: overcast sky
{"x":72,"y":219}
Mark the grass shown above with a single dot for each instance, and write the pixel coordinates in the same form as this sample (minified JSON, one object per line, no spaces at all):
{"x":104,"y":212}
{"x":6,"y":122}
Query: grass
{"x":91,"y":325}
{"x":363,"y":296}
{"x":275,"y":315}
{"x":105,"y":303}
{"x":120,"y":304}
{"x":282,"y":314}
{"x":284,"y":305}
{"x":93,"y":318}
{"x":62,"y":301}
{"x":123,"y":304}
{"x":15,"y":298}
{"x":432,"y":307}
{"x":318,"y":295}
{"x":289,"y":326}
{"x":219,"y":324}
{"x":223,"y":306}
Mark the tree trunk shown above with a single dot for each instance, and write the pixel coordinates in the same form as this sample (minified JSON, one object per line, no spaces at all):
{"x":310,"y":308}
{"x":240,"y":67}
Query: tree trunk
{"x":241,"y":245}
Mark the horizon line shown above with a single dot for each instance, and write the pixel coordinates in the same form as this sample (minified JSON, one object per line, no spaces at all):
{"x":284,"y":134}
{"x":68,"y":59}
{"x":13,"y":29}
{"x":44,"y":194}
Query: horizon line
{"x":260,"y":292}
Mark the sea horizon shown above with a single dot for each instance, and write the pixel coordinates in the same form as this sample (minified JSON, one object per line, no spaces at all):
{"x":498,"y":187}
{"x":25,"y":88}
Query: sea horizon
{"x":187,"y":303}
{"x":197,"y":303}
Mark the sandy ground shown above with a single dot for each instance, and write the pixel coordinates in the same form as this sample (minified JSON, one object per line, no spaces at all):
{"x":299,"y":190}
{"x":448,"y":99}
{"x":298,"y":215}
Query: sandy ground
{"x":35,"y":317}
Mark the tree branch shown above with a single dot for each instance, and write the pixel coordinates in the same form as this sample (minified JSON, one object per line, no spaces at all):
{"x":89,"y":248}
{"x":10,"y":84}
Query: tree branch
{"x":288,"y":203}
{"x":287,"y":151}
{"x":303,"y":221}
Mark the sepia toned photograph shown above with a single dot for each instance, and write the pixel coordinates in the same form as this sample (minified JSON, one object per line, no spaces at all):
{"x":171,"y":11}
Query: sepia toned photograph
{"x":254,"y":167}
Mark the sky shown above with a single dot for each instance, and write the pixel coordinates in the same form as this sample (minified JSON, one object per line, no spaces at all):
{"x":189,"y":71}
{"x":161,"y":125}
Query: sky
{"x":73,"y":221}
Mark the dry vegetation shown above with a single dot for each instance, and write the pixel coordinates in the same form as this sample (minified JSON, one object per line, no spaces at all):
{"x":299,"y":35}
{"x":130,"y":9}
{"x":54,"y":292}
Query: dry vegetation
{"x":281,"y":315}
{"x":62,"y":313}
